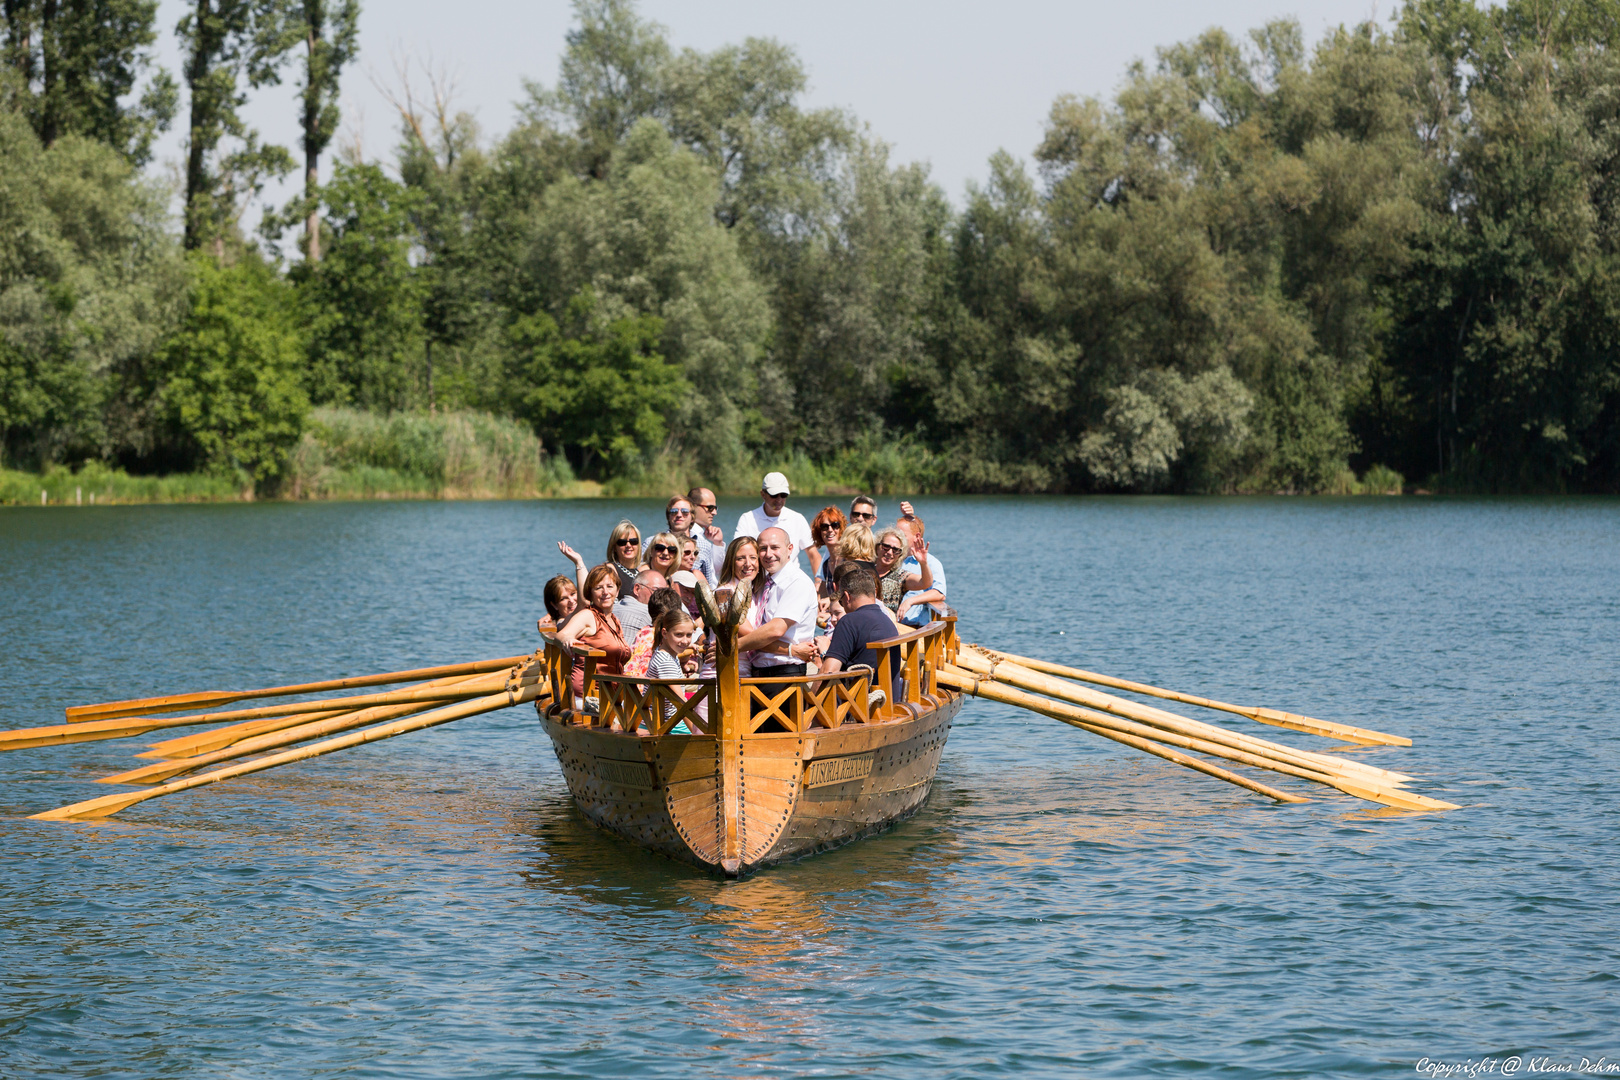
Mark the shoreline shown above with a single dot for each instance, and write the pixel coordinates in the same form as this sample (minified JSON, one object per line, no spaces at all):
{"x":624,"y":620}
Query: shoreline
{"x":79,"y":498}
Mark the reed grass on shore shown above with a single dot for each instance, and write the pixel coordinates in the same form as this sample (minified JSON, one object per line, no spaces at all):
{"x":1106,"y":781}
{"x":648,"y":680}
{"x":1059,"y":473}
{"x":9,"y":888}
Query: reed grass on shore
{"x":348,"y":454}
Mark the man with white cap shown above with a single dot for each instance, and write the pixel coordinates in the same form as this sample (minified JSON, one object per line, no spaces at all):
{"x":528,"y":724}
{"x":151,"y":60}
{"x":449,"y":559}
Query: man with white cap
{"x":773,"y":513}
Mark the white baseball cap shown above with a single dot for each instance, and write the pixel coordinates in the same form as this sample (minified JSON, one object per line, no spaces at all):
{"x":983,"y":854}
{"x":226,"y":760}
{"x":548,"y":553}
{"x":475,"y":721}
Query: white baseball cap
{"x":774,"y":484}
{"x":684,"y":577}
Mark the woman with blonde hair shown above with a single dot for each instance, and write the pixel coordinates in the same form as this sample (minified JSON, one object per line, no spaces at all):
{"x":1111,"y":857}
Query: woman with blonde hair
{"x":855,"y":548}
{"x":894,"y":582}
{"x":624,"y":554}
{"x":663,"y":554}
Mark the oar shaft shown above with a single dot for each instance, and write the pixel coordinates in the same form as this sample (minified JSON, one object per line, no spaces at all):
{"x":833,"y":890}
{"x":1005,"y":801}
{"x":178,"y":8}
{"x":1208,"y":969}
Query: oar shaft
{"x":108,"y":805}
{"x":1109,"y":730}
{"x":274,"y":740}
{"x":89,"y":731}
{"x":1275,"y":717}
{"x":1018,"y":675}
{"x":110,"y":710}
{"x":218,"y":738}
{"x":1364,"y":789}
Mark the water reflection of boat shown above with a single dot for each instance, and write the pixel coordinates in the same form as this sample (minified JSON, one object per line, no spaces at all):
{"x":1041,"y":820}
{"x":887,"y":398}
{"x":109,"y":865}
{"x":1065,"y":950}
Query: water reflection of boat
{"x":770,"y":769}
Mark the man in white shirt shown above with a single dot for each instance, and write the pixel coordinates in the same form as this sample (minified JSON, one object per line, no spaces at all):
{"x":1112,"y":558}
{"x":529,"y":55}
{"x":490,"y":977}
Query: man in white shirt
{"x":773,"y":513}
{"x":784,"y":610}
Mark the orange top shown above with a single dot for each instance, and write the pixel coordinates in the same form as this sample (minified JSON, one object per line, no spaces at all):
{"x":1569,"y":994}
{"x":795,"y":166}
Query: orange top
{"x":609,"y":637}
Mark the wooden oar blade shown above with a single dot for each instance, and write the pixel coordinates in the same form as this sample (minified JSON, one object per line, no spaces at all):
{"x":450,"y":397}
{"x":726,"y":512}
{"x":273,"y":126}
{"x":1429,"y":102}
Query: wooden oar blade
{"x":105,"y":806}
{"x":113,"y":710}
{"x":1326,"y":728}
{"x":58,"y":734}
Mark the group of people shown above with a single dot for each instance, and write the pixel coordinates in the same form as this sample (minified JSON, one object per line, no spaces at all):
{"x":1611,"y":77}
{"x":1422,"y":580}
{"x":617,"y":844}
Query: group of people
{"x":639,"y":605}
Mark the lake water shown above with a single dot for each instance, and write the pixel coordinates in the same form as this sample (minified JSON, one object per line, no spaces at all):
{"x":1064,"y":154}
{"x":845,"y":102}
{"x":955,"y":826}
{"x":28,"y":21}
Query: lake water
{"x":1063,"y":906}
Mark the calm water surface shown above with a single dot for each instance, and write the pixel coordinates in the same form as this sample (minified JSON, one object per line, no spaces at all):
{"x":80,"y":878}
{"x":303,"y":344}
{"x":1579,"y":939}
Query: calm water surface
{"x":435,"y":906}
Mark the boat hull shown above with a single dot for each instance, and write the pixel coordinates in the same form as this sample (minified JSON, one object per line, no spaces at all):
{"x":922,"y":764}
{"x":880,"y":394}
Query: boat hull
{"x":797,"y":793}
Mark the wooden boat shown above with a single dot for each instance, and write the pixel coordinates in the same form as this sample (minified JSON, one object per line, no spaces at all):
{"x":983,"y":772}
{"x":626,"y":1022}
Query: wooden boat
{"x":771,"y":769}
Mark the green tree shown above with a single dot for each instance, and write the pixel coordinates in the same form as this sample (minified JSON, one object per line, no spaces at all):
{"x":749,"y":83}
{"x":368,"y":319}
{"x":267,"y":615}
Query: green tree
{"x":362,"y":301}
{"x":228,"y":384}
{"x":227,"y":41}
{"x":610,"y":77}
{"x":90,"y":279}
{"x":328,"y":30}
{"x":599,"y":394}
{"x":77,"y":60}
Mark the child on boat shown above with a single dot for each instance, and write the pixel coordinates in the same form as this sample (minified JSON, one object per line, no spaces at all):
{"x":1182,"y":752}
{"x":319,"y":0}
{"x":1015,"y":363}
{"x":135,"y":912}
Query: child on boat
{"x":674,"y":657}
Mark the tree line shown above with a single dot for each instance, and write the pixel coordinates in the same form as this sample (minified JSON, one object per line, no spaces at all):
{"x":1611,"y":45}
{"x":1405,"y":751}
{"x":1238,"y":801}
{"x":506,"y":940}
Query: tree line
{"x":1259,"y":266}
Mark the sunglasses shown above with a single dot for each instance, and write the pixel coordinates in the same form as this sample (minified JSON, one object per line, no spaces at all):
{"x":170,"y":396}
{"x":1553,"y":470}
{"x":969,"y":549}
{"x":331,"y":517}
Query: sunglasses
{"x":891,"y":549}
{"x":630,"y":541}
{"x":864,"y":517}
{"x":710,"y":507}
{"x":680,"y":512}
{"x":663,"y":549}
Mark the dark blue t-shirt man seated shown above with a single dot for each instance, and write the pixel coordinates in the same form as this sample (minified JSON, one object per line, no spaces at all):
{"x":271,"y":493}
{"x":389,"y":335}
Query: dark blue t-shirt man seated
{"x":865,"y":621}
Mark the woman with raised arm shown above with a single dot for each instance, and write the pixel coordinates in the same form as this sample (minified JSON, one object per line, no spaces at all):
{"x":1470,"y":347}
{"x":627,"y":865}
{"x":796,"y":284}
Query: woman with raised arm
{"x":896,"y":574}
{"x":561,"y":598}
{"x":595,"y":626}
{"x":579,"y":565}
{"x":623,"y":555}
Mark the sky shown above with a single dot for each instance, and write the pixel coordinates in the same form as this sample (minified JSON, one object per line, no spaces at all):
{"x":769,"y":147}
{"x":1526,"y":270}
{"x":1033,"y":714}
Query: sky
{"x":943,"y":82}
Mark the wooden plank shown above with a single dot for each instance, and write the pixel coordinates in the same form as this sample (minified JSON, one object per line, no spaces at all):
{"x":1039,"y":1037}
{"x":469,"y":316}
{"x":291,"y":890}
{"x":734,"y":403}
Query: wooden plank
{"x":674,"y":768}
{"x":692,"y":805}
{"x":785,"y":768}
{"x":681,"y":789}
{"x":598,"y":742}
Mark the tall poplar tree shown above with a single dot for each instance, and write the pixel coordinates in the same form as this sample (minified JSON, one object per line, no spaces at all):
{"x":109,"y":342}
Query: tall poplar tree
{"x":226,"y":41}
{"x":77,"y":61}
{"x":328,"y":29}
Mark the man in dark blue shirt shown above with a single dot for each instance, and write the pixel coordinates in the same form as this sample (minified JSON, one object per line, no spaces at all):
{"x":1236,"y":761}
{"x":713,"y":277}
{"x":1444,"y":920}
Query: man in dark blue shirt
{"x":865,"y":621}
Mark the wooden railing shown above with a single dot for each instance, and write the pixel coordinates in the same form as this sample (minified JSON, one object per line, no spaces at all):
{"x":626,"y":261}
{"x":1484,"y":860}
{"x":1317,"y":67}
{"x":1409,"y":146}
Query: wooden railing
{"x":798,"y":704}
{"x":637,"y":703}
{"x":558,"y":660}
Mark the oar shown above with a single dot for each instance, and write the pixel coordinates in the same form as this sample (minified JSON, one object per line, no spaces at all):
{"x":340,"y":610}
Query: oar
{"x":163,"y":770}
{"x":1275,"y":717}
{"x":24,"y":738}
{"x":107,"y":805}
{"x":1371,"y":789}
{"x":109,"y":710}
{"x":959,"y":680}
{"x":218,"y":738}
{"x":1100,"y":723}
{"x":1159,"y":718}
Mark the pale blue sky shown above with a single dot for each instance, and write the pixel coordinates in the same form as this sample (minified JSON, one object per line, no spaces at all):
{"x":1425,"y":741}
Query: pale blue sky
{"x":944,"y":82}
